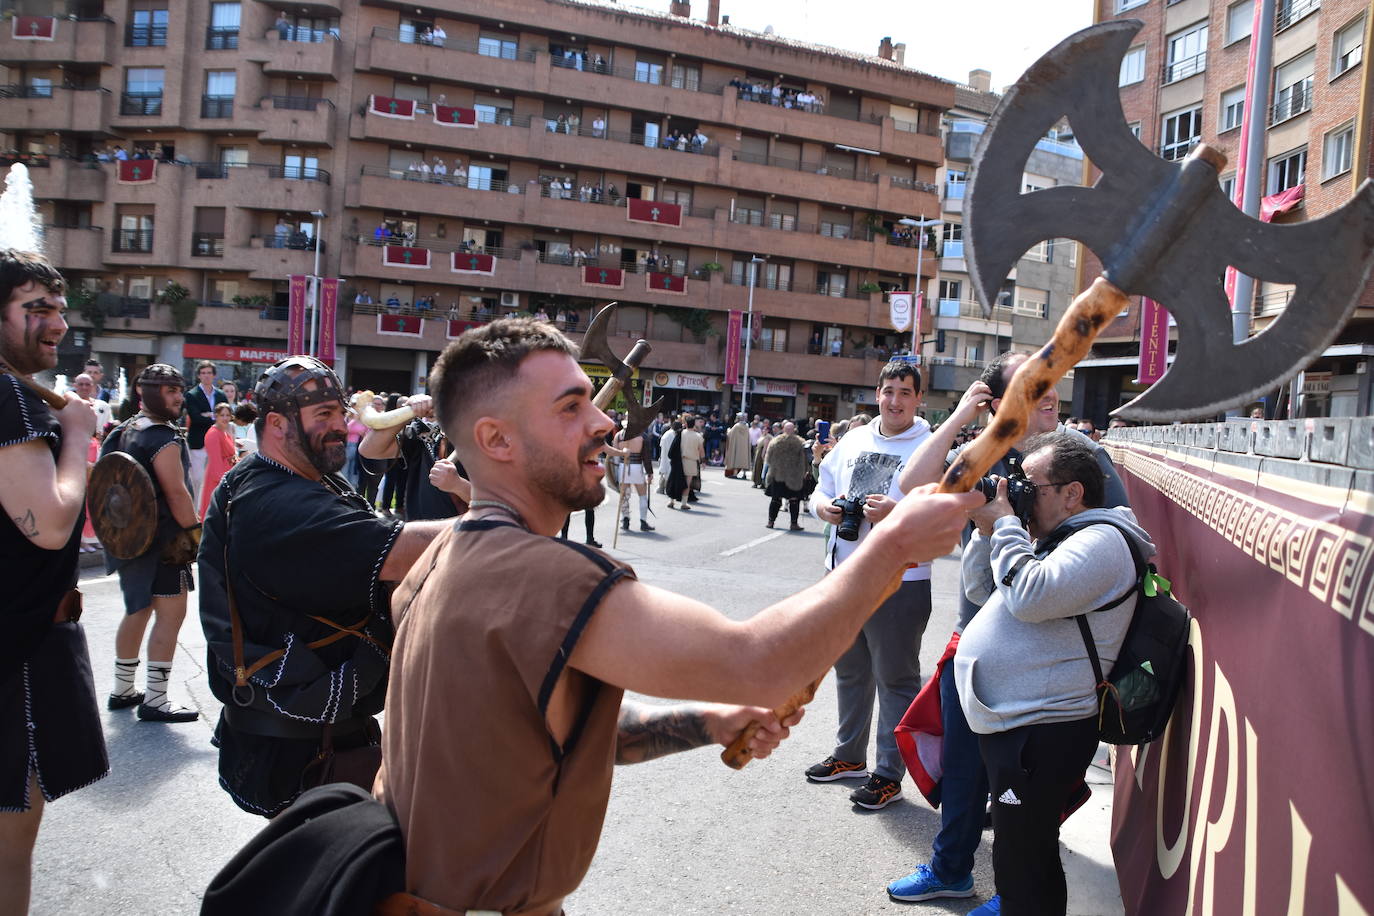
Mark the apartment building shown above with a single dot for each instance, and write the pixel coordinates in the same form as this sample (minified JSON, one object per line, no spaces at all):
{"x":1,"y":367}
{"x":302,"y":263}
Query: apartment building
{"x":457,"y":160}
{"x":1041,"y":284}
{"x":1184,"y":81}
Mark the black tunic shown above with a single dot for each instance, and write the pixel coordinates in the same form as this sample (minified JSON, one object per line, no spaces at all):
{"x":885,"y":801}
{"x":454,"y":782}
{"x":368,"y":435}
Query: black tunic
{"x":421,"y":446}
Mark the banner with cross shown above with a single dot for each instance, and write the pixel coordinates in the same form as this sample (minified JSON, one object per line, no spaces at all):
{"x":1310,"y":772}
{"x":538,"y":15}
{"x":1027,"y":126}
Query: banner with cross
{"x":388,"y":107}
{"x":34,"y":28}
{"x":405,"y":256}
{"x":401,"y":325}
{"x":456,"y":327}
{"x":454,"y":116}
{"x":653,"y":211}
{"x":665,"y":283}
{"x":137,"y":171}
{"x":612,"y":277}
{"x":463,"y":262}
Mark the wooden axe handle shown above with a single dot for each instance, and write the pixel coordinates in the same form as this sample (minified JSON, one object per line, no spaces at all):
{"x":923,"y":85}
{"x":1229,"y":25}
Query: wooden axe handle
{"x":1093,"y":310}
{"x":737,"y":754}
{"x":608,"y":391}
{"x":50,"y":397}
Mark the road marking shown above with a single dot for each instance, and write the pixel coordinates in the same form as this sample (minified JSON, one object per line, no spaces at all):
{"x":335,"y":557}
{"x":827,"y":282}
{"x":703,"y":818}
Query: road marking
{"x":754,"y":543}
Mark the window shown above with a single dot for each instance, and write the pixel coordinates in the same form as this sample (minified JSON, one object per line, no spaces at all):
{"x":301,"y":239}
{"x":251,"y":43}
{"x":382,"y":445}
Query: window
{"x":835,"y":225}
{"x":39,"y":87}
{"x":955,"y":181}
{"x":1287,"y":171}
{"x":776,"y":276}
{"x":1232,"y":107}
{"x":686,"y":76}
{"x":218,"y":101}
{"x":147,"y":26}
{"x":1187,"y":53}
{"x":135,"y":233}
{"x":297,"y":167}
{"x":1132,"y":67}
{"x":1030,"y":183}
{"x":1179,"y":132}
{"x":1228,"y":186}
{"x":1293,"y":88}
{"x":1123,"y":5}
{"x":1068,"y":248}
{"x":489,"y":45}
{"x":1290,"y":11}
{"x":223,"y":34}
{"x":1134,"y":128}
{"x":1040,"y":251}
{"x":832,"y":283}
{"x":953,"y":241}
{"x":648,"y":72}
{"x":315,"y":29}
{"x":1239,"y":20}
{"x":1347,"y":47}
{"x":950,"y":292}
{"x":1032,"y":302}
{"x":142,"y":91}
{"x":486,"y":177}
{"x":1338,"y":149}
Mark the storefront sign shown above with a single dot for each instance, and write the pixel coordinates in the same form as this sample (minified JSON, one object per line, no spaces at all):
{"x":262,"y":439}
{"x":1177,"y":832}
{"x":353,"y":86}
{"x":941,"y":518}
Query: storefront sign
{"x":598,"y":371}
{"x":768,"y":386}
{"x":218,"y":354}
{"x":689,"y":380}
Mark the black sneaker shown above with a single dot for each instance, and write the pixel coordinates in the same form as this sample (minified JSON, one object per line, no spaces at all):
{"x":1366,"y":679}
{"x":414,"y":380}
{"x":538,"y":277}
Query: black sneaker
{"x":830,"y":769}
{"x":625,"y":523}
{"x":645,"y":526}
{"x":166,"y":713}
{"x":878,"y":792}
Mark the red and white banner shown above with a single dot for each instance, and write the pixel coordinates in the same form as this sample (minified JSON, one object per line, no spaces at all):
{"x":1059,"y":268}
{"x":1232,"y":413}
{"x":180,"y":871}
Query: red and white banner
{"x":665,"y":283}
{"x":295,"y":315}
{"x":329,"y":314}
{"x":446,"y":116}
{"x":732,"y":346}
{"x":612,"y":277}
{"x":405,"y":256}
{"x":1154,"y":342}
{"x":899,"y":308}
{"x":388,"y":107}
{"x":462,"y":262}
{"x":232,"y":354}
{"x":401,"y":325}
{"x":34,"y":28}
{"x":136,"y":171}
{"x":1280,"y":203}
{"x":652,"y":211}
{"x":756,"y":326}
{"x":457,"y":328}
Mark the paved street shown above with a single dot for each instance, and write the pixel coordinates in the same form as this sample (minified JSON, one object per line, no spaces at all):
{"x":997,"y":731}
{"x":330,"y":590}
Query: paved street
{"x":683,"y":834}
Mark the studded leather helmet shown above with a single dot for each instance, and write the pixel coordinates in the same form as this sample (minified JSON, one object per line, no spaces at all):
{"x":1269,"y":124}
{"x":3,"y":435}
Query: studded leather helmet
{"x":285,"y":386}
{"x":160,"y":374}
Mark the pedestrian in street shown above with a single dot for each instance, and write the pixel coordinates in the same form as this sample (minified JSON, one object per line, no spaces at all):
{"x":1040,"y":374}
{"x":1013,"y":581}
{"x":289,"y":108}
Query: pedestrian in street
{"x":737,"y":450}
{"x":637,"y":472}
{"x":51,"y":741}
{"x":676,"y":480}
{"x":200,"y":416}
{"x":691,"y":451}
{"x":761,"y":454}
{"x":220,"y":453}
{"x":788,"y":468}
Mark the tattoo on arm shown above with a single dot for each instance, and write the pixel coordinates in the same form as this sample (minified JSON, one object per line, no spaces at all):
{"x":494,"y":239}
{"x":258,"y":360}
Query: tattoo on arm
{"x":27,"y":524}
{"x":647,"y":732}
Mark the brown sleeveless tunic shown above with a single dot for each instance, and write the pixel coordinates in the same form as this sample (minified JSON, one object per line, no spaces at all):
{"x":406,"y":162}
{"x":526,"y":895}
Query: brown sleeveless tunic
{"x":496,"y":814}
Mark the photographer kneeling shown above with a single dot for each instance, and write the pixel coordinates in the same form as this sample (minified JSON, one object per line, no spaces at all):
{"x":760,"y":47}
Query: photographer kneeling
{"x":1024,"y":679}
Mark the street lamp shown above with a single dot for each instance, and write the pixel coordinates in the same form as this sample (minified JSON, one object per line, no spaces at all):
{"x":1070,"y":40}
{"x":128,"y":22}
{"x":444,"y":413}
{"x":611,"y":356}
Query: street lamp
{"x":315,"y":287}
{"x":754,"y":263}
{"x":919,"y":225}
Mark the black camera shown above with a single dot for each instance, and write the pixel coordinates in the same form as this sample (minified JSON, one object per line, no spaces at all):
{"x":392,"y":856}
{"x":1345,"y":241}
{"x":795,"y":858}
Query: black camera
{"x":1020,"y":493}
{"x":851,"y":514}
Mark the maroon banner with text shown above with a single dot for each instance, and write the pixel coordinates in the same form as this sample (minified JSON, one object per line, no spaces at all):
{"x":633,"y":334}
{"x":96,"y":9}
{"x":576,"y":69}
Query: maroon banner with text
{"x":665,"y":283}
{"x":447,"y":116}
{"x":295,"y":316}
{"x":614,"y":277}
{"x":732,"y":346}
{"x":1257,"y":798}
{"x":405,"y":256}
{"x":462,"y":262}
{"x":653,"y":211}
{"x":388,"y":107}
{"x":136,"y":171}
{"x":35,"y":28}
{"x":1154,"y":342}
{"x":329,"y":314}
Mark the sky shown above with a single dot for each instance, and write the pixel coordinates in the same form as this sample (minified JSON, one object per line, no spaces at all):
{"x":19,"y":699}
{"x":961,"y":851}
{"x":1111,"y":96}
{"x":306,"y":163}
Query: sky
{"x":955,"y":36}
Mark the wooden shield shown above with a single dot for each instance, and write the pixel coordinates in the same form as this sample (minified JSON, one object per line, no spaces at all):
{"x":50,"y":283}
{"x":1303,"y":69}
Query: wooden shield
{"x":123,"y":506}
{"x":612,"y":478}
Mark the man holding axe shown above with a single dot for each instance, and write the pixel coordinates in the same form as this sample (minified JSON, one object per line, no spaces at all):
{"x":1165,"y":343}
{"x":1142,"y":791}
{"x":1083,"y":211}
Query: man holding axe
{"x":551,"y":633}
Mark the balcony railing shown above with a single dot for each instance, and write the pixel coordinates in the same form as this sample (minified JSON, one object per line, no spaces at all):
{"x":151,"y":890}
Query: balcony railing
{"x":139,"y":104}
{"x":441,"y":245}
{"x":1291,"y":102}
{"x":25,"y":92}
{"x":1290,"y":11}
{"x":297,"y":102}
{"x":207,"y":245}
{"x":1185,"y":67}
{"x":969,"y":308}
{"x":799,"y":166}
{"x":211,"y":171}
{"x":298,"y":173}
{"x":133,"y":240}
{"x":222,"y":38}
{"x":145,"y":36}
{"x":916,"y":184}
{"x":449,"y":44}
{"x":217,"y":106}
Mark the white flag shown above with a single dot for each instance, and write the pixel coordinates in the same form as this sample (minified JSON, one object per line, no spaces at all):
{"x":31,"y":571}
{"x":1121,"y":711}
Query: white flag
{"x":899,"y":305}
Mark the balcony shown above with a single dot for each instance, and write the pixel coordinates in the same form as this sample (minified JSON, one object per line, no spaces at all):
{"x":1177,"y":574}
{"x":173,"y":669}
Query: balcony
{"x":85,"y":40}
{"x":133,"y":241}
{"x":222,"y":38}
{"x":1185,"y":67}
{"x":215,"y":107}
{"x":144,"y":35}
{"x":967,"y":315}
{"x":57,"y":110}
{"x":74,"y":249}
{"x":316,"y":55}
{"x":396,"y":189}
{"x":261,"y":259}
{"x":1291,"y":101}
{"x":60,"y":178}
{"x":259,"y":186}
{"x":294,"y":119}
{"x":140,"y":104}
{"x":1290,"y":11}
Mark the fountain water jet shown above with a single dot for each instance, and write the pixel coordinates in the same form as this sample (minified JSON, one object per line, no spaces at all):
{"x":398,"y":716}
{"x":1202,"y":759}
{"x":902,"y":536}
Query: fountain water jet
{"x":20,"y":225}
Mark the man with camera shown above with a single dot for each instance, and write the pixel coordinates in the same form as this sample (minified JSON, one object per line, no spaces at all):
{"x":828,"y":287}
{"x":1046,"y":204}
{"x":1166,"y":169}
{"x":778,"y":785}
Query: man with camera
{"x":858,"y":487}
{"x":964,"y":783}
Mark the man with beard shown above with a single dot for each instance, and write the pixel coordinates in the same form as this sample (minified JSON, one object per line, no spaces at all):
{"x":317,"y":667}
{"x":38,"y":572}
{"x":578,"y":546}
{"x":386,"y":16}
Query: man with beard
{"x":50,"y":737}
{"x":295,"y":611}
{"x":155,"y":582}
{"x":500,"y":800}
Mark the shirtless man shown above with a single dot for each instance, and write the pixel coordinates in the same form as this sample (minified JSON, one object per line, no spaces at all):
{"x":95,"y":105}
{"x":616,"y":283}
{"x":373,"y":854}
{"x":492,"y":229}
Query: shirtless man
{"x":637,"y":472}
{"x":50,"y":737}
{"x":550,"y":634}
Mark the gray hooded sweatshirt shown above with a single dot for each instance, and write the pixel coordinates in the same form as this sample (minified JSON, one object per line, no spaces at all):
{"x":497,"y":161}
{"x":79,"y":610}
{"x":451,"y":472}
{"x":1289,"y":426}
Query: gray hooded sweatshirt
{"x":1021,"y":660}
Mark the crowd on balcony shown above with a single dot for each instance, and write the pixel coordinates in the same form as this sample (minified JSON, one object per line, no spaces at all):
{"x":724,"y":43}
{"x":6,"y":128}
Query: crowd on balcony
{"x":562,"y":189}
{"x":778,"y":95}
{"x":574,"y":59}
{"x":685,"y":141}
{"x":439,"y":173}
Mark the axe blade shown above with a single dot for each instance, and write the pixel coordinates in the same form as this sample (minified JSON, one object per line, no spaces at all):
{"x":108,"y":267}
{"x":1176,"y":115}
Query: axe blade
{"x":1161,"y":229}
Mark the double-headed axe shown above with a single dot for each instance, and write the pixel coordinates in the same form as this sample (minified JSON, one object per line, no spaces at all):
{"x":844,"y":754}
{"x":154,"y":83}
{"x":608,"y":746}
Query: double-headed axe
{"x":1161,"y":229}
{"x":594,"y":346}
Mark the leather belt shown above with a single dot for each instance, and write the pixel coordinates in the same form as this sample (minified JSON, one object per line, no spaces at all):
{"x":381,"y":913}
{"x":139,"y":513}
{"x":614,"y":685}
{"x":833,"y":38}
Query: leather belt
{"x":68,"y":607}
{"x":256,"y":722}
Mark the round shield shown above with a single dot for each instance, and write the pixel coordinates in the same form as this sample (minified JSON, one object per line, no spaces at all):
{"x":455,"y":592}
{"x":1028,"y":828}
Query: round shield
{"x":123,"y":506}
{"x":612,"y":478}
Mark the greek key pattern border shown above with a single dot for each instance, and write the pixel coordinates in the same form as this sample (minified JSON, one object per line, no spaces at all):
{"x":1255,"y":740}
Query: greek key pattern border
{"x":1333,"y":563}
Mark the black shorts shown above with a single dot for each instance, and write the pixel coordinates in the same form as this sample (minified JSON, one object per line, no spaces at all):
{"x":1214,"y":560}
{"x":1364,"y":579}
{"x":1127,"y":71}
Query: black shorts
{"x":144,"y":578}
{"x":49,"y":720}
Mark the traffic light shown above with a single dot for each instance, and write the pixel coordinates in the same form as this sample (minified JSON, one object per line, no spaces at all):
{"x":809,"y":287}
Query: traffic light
{"x":940,"y":341}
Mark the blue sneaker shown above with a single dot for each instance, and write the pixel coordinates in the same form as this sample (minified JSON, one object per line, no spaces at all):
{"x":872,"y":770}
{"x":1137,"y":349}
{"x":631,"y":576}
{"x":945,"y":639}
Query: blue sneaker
{"x":992,"y":908}
{"x":923,"y":885}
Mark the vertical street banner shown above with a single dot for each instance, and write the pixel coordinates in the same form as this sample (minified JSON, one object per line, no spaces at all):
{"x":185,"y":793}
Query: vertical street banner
{"x":34,"y":28}
{"x":295,"y":316}
{"x":136,"y":171}
{"x":387,"y":107}
{"x":1154,"y":342}
{"x":652,"y":211}
{"x":732,"y":346}
{"x":329,"y":314}
{"x":899,"y":307}
{"x":446,"y":116}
